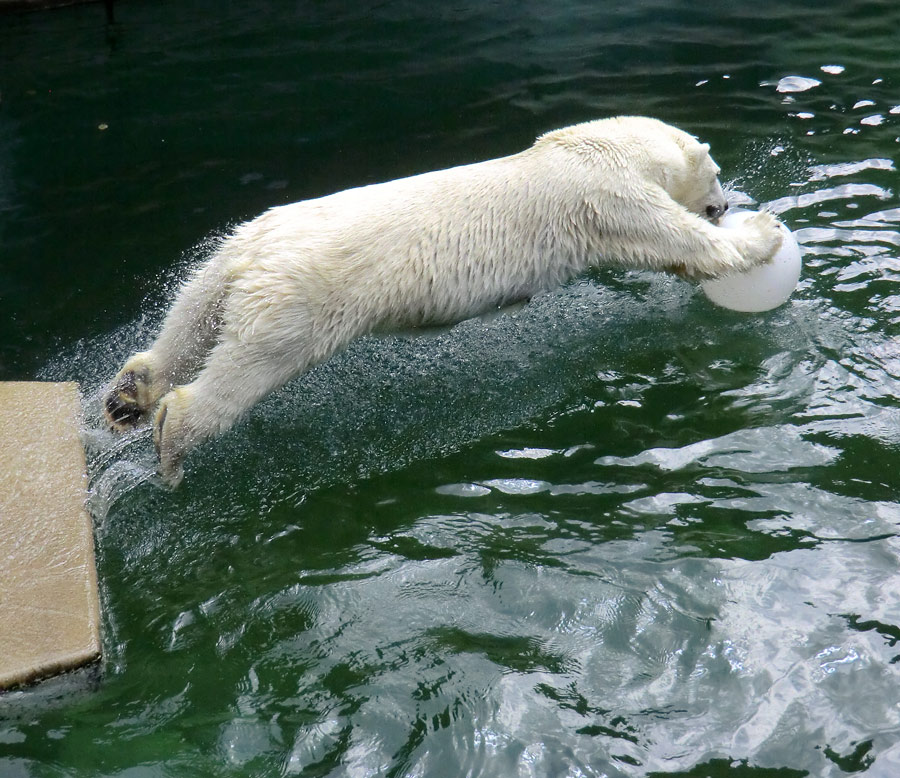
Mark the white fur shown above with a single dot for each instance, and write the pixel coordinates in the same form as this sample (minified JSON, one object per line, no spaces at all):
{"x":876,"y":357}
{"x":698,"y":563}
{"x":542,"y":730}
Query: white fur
{"x":293,"y":286}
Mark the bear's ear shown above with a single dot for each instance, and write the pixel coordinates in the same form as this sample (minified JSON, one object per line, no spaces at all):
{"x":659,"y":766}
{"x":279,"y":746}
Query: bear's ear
{"x":697,"y":153}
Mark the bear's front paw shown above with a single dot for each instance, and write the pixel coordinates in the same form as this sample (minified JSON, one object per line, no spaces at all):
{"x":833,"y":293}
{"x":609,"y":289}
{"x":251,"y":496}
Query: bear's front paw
{"x":762,"y":235}
{"x":171,"y":435}
{"x":130,"y":397}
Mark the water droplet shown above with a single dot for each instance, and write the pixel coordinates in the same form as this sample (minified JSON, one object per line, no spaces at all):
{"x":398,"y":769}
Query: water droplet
{"x":796,"y":84}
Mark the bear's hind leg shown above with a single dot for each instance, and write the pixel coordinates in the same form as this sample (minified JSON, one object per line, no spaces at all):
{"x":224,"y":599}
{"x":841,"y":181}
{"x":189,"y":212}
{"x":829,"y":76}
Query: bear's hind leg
{"x":235,"y":378}
{"x":188,"y":333}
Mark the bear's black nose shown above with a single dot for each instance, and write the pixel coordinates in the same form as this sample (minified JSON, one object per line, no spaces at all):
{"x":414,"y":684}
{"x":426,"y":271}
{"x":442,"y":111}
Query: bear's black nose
{"x":713,"y":212}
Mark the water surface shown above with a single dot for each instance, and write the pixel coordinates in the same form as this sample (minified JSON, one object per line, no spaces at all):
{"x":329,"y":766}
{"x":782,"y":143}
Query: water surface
{"x":618,"y":532}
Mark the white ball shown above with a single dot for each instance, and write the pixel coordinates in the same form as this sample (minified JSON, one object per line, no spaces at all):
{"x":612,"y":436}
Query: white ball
{"x":764,"y":287}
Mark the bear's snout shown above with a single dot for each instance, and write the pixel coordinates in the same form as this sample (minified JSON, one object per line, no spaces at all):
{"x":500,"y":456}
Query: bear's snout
{"x":714,"y":212}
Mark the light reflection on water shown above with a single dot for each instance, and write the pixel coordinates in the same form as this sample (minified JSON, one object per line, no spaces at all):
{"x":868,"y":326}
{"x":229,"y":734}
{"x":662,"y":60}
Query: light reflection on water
{"x":616,"y":532}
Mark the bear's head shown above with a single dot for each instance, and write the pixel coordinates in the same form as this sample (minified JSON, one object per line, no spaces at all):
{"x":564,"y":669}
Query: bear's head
{"x":633,"y":151}
{"x":678,"y":162}
{"x":693,"y":181}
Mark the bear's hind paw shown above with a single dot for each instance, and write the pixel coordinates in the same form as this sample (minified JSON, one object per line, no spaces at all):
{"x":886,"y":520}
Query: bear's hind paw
{"x":170,"y":437}
{"x":123,"y":414}
{"x":129,"y":399}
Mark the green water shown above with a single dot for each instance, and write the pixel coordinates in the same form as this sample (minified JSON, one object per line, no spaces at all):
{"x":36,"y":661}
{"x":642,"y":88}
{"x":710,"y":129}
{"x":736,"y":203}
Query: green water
{"x":617,"y":533}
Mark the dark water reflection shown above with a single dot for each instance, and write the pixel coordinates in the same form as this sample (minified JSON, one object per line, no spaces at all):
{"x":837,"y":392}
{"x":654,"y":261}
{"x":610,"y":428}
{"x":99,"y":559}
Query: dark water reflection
{"x":617,"y":532}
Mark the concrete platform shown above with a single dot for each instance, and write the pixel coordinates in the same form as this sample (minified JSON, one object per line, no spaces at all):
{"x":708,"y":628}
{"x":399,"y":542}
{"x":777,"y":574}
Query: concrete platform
{"x":49,"y":606}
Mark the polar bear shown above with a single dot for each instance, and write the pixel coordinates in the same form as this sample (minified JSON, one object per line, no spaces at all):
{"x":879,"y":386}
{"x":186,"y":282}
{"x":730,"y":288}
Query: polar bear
{"x":293,"y":286}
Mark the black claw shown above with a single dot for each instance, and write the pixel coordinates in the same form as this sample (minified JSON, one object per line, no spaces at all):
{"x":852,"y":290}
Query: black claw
{"x":157,"y":436}
{"x":123,"y":413}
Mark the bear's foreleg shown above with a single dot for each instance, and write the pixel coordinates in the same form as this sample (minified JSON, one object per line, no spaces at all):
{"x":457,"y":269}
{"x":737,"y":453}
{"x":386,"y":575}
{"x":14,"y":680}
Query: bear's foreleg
{"x":709,"y":251}
{"x":649,"y":230}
